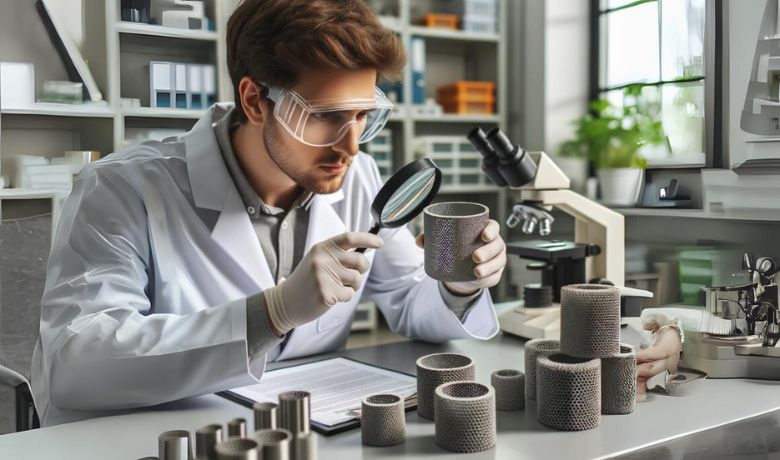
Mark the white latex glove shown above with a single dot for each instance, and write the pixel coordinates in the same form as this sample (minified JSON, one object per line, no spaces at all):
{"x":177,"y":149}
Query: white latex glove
{"x":490,"y":259}
{"x":329,"y":273}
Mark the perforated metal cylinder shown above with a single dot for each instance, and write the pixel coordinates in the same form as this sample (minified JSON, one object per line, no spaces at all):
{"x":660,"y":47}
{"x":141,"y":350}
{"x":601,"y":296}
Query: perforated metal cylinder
{"x":382,"y":420}
{"x":465,"y":416}
{"x":569,"y":392}
{"x":618,"y":382}
{"x":305,"y":447}
{"x":174,"y":445}
{"x":435,"y":369}
{"x":510,"y":389}
{"x":295,"y":411}
{"x":206,"y":440}
{"x":236,"y":428}
{"x":274,"y":444}
{"x":238,"y":449}
{"x":452,"y":233}
{"x":533,"y":350}
{"x":265,"y":415}
{"x":590,"y":320}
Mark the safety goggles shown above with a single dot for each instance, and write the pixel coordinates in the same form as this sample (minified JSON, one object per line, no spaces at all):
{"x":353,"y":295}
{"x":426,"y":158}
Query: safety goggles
{"x":323,"y":123}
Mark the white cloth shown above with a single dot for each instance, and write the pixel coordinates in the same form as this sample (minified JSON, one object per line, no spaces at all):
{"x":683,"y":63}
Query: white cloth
{"x":154,"y":257}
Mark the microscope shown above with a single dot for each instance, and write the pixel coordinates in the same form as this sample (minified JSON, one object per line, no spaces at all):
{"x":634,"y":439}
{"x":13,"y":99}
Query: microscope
{"x":739,"y":333}
{"x":596,"y":255}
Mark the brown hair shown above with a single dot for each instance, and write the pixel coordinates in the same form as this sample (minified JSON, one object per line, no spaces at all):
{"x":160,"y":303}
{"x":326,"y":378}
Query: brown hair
{"x":273,"y":41}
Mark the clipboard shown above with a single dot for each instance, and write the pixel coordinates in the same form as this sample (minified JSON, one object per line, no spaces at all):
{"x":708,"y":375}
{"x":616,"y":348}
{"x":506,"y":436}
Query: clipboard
{"x":322,"y":428}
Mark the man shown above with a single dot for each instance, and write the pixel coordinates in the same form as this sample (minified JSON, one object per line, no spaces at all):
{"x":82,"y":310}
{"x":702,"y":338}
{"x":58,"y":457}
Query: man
{"x":180,"y":268}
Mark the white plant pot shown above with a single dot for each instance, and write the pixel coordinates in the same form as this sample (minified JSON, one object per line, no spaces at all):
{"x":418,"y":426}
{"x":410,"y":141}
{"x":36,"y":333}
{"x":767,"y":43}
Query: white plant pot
{"x":621,"y":186}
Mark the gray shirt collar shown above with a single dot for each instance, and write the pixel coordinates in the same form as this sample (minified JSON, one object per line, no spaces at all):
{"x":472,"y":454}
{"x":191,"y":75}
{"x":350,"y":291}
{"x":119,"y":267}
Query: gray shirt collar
{"x":252,"y":201}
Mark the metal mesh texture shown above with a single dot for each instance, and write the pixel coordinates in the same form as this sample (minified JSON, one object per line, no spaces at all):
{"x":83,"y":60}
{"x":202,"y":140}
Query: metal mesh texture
{"x":618,"y":382}
{"x":382,"y":419}
{"x":533,"y":350}
{"x":238,"y":449}
{"x":274,"y":444}
{"x":590,"y":320}
{"x":465,"y":417}
{"x":452,"y":233}
{"x":510,"y":389}
{"x":569,"y":392}
{"x":435,"y":369}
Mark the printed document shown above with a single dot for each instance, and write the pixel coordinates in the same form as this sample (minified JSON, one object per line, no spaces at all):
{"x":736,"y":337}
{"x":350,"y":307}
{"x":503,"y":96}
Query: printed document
{"x":336,"y":386}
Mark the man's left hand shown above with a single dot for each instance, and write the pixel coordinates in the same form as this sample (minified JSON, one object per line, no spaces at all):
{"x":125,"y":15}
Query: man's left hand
{"x":490,"y":259}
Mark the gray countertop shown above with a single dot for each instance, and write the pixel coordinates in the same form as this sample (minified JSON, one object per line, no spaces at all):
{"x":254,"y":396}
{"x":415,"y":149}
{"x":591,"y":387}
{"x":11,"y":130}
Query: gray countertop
{"x":520,"y":436}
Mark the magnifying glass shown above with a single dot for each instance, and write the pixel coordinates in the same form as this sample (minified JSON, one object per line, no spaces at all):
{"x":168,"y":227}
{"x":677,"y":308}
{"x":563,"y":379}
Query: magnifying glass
{"x":405,"y":195}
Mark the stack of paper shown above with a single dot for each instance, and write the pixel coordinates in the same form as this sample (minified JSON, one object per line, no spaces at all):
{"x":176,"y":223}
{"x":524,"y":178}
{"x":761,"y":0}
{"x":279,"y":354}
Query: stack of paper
{"x":41,"y":173}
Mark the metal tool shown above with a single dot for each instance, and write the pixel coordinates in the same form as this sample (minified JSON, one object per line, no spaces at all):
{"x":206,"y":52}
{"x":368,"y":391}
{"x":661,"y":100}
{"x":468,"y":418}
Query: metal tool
{"x":238,"y":449}
{"x":274,"y":444}
{"x":295,"y":411}
{"x":265,"y":415}
{"x":174,"y":445}
{"x":206,"y":440}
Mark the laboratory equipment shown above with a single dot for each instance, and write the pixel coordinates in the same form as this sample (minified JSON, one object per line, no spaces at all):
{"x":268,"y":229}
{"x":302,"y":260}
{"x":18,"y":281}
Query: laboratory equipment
{"x":236,"y":428}
{"x":238,"y":449}
{"x":568,"y":392}
{"x":295,"y":411}
{"x":206,"y":440}
{"x":265,"y":415}
{"x":590,"y":320}
{"x":436,"y":369}
{"x":174,"y":445}
{"x":510,"y":389}
{"x":465,"y":416}
{"x":598,"y":251}
{"x":382,"y":420}
{"x":739,"y":333}
{"x":453,"y":231}
{"x":274,"y":444}
{"x":618,"y":382}
{"x":535,"y":349}
{"x":405,"y":195}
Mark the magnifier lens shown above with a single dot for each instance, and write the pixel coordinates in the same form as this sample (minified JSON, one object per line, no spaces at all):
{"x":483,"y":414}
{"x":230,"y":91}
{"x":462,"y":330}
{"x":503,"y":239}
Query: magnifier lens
{"x":408,"y":197}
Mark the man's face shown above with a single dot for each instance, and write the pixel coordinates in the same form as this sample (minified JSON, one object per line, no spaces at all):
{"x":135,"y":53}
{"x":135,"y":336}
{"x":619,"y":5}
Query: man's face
{"x":319,"y":169}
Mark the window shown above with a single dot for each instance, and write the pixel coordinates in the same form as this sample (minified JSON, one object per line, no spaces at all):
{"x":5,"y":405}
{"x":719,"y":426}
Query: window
{"x":661,"y":44}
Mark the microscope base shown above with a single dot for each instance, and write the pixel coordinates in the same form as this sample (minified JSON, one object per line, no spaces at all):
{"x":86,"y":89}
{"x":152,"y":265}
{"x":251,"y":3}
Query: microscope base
{"x":532,"y":323}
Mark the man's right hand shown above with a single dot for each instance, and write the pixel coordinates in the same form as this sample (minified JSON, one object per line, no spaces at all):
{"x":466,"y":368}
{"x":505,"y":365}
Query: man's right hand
{"x":329,"y":273}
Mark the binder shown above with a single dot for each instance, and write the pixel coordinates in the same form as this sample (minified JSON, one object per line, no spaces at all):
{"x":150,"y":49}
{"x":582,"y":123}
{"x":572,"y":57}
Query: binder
{"x":194,"y":86}
{"x":162,"y":82}
{"x":181,"y":86}
{"x":417,"y":49}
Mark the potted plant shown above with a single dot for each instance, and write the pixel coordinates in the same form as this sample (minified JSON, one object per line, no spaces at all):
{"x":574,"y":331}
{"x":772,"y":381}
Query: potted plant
{"x":612,"y":138}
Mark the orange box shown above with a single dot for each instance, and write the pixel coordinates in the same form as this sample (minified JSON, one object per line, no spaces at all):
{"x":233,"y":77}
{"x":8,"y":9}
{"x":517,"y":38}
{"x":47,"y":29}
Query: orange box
{"x":446,"y":21}
{"x":467,"y":91}
{"x":462,"y":107}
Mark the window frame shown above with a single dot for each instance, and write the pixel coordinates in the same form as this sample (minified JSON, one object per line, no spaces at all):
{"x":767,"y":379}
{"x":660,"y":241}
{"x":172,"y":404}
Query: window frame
{"x":713,"y":77}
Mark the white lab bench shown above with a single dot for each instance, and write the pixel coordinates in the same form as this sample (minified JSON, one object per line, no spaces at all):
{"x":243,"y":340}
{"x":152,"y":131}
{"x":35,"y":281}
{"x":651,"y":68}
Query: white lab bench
{"x":520,"y":436}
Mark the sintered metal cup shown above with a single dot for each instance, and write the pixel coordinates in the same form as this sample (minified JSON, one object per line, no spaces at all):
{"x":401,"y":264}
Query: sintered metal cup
{"x":295,"y":411}
{"x":236,"y":428}
{"x":238,"y":449}
{"x":265,"y":415}
{"x":618,"y":382}
{"x":453,"y":231}
{"x":510,"y":389}
{"x":465,"y":417}
{"x":590,"y":320}
{"x":435,"y":369}
{"x":382,"y":420}
{"x":533,"y":350}
{"x":274,"y":444}
{"x":305,"y":447}
{"x":174,"y":445}
{"x":569,"y":392}
{"x":206,"y":440}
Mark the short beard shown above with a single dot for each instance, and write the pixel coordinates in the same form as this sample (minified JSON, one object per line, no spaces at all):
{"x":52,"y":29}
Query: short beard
{"x":308,"y":182}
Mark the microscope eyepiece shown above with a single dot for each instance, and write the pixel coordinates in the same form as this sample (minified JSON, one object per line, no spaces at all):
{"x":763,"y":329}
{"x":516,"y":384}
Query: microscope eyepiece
{"x":500,"y":143}
{"x":490,"y":161}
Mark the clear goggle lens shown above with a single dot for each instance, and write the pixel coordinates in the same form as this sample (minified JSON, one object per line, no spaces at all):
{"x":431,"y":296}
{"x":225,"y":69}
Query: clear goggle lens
{"x":325,"y":123}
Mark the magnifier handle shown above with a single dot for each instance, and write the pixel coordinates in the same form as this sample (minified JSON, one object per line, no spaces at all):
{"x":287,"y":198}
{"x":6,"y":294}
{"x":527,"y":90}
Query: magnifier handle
{"x":374,"y":231}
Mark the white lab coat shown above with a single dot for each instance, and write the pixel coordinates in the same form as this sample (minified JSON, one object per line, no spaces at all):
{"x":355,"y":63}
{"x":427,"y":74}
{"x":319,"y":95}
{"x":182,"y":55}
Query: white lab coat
{"x":155,"y":255}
